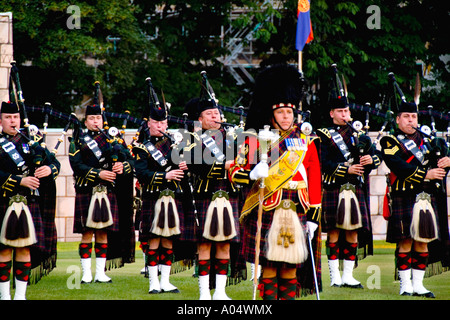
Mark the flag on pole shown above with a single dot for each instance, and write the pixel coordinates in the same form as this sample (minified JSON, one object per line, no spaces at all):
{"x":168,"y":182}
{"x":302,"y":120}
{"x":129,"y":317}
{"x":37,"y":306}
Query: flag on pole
{"x":304,"y":26}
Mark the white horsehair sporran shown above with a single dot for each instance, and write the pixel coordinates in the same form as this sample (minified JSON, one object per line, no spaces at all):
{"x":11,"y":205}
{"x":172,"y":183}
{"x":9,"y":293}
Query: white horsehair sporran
{"x":286,"y":239}
{"x":219,"y":220}
{"x":99,"y":212}
{"x":348,"y":215}
{"x":423,"y":224}
{"x":18,"y":227}
{"x":166,"y":220}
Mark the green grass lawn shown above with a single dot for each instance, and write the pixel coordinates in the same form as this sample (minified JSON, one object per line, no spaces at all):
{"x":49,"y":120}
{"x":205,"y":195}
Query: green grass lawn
{"x":375,"y":273}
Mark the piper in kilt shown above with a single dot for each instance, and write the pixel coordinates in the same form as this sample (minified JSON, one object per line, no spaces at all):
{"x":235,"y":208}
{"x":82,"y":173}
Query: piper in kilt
{"x":417,"y":214}
{"x":23,"y":166}
{"x":96,"y":162}
{"x":347,"y":157}
{"x":163,"y":192}
{"x":216,"y":198}
{"x":292,"y":189}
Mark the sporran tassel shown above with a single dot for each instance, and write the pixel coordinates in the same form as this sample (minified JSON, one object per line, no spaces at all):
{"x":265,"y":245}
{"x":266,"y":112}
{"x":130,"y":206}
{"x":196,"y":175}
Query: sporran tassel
{"x":162,"y":217}
{"x":24,"y":228}
{"x":219,"y":221}
{"x":12,"y":230}
{"x":166,"y":221}
{"x":18,"y":227}
{"x":171,"y":216}
{"x":226,"y":222}
{"x":348,"y":214}
{"x":96,"y":216}
{"x":354,"y":218}
{"x":104,"y":216}
{"x":214,"y":227}
{"x":341,"y":212}
{"x":99,"y":212}
{"x":424,"y":225}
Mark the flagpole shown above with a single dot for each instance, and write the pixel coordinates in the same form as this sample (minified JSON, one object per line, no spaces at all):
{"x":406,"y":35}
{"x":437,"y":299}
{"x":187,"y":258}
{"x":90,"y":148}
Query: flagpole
{"x":300,"y":66}
{"x":300,"y":69}
{"x":304,"y":33}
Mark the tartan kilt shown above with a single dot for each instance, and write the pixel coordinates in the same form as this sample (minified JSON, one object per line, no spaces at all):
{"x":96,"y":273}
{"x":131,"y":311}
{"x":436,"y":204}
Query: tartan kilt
{"x":47,"y":200}
{"x":194,"y":233}
{"x":250,"y":228}
{"x":147,"y":216}
{"x":82,"y":201}
{"x":33,"y":206}
{"x":329,"y":209}
{"x":399,"y":223}
{"x":305,"y":276}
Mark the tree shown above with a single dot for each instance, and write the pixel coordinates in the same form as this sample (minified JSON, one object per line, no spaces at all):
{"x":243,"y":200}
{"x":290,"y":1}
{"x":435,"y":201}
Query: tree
{"x":173,"y":41}
{"x":409,"y":32}
{"x":58,"y":54}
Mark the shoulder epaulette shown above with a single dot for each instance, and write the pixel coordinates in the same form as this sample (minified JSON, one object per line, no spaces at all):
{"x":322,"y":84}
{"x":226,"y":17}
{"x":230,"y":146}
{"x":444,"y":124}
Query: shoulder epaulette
{"x":140,"y":146}
{"x":324,"y":132}
{"x":389,"y":145}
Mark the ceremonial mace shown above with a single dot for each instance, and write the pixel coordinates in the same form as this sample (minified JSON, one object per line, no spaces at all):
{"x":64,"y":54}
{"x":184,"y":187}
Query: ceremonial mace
{"x":264,"y":137}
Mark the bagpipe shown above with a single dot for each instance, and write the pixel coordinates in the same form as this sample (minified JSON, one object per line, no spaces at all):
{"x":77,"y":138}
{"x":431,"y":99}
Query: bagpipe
{"x":389,"y":105}
{"x":30,"y":133}
{"x":157,"y":111}
{"x":384,"y":110}
{"x":115,"y":137}
{"x":434,"y":147}
{"x":232,"y":129}
{"x":143,"y":131}
{"x":360,"y":147}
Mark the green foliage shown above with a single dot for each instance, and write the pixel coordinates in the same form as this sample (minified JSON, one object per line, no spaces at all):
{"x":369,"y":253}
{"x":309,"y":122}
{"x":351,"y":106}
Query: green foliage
{"x":173,"y":41}
{"x":58,"y":54}
{"x":366,"y":56}
{"x":410,"y":33}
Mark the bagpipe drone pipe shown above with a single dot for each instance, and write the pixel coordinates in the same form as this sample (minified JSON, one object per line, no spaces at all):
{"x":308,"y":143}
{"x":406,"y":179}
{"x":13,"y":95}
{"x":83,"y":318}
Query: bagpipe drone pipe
{"x":384,"y":110}
{"x":362,"y":146}
{"x":381,"y":111}
{"x":393,"y":96}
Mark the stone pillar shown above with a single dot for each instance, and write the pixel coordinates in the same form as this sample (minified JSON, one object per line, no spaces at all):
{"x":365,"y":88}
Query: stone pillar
{"x":6,"y":53}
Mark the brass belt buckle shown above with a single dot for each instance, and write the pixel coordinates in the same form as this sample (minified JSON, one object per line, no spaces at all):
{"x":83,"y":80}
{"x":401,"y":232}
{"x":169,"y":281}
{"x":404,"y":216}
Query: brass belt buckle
{"x":18,"y":198}
{"x":99,"y":188}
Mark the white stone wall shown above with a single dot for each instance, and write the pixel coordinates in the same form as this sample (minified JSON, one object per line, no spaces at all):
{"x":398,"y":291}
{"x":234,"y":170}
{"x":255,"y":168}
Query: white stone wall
{"x":64,"y":186}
